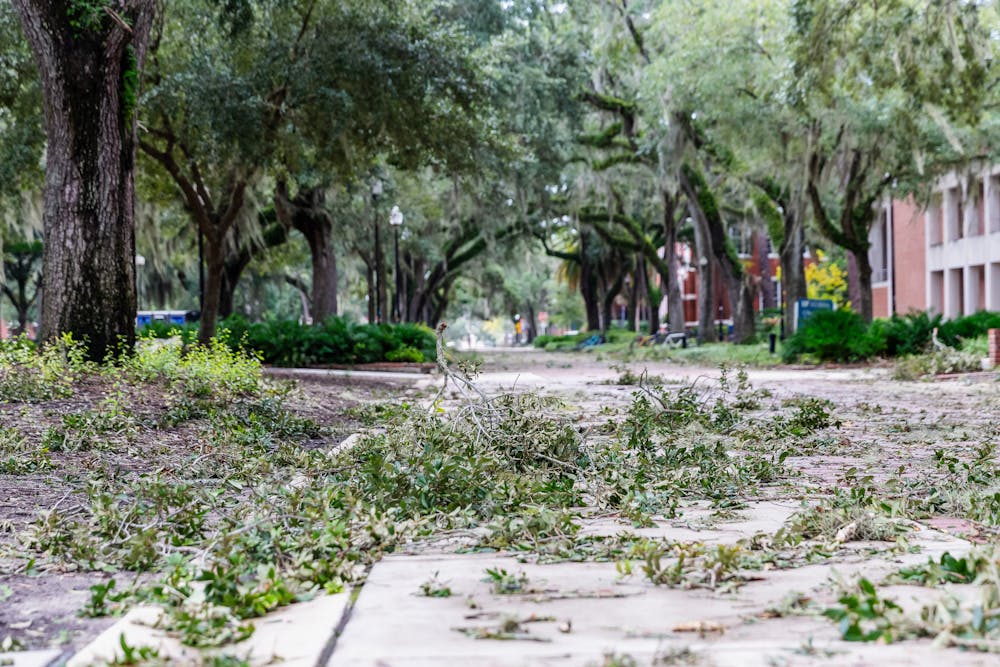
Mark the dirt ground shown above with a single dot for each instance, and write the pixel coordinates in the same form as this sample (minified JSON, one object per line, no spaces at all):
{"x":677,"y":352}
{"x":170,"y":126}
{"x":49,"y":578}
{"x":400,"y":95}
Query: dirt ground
{"x":39,"y":604}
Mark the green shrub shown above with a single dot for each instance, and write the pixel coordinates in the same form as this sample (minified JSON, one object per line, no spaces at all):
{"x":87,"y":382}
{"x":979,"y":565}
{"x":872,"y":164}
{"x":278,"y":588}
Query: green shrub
{"x":160,"y":329}
{"x":954,"y":332}
{"x":909,"y":334}
{"x":837,"y":335}
{"x":336,"y":341}
{"x":405,"y":353}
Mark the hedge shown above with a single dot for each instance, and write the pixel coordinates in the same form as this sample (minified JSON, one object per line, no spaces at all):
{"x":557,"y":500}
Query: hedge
{"x":337,"y":340}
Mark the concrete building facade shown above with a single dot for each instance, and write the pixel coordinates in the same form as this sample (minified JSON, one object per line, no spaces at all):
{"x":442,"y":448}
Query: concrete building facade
{"x":944,"y":258}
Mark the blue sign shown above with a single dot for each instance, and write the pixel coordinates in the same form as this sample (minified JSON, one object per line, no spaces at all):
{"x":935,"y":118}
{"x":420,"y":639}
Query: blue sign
{"x":804,"y":309}
{"x":146,"y":317}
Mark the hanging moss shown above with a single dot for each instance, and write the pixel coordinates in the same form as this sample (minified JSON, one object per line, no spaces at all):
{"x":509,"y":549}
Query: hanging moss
{"x":706,"y":200}
{"x":621,"y":158}
{"x":710,"y":207}
{"x":601,"y":139}
{"x":610,"y":102}
{"x":772,"y":217}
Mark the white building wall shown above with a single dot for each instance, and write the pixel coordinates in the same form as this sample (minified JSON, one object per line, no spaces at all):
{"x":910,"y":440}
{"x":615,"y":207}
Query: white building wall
{"x":967,"y":258}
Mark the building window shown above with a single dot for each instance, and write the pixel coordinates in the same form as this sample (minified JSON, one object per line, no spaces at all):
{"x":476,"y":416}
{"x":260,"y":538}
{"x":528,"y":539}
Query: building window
{"x":954,"y":214}
{"x":977,"y":225}
{"x":994,"y":200}
{"x":935,"y":222}
{"x":878,"y":252}
{"x":742,"y":239}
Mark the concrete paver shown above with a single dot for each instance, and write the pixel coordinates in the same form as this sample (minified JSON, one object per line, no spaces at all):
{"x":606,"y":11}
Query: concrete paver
{"x":294,"y":636}
{"x":30,"y":658}
{"x":392,"y":624}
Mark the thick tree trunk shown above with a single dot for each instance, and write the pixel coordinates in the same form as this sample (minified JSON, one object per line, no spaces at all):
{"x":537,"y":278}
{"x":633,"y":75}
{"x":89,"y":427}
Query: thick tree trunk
{"x":89,"y":69}
{"x":588,"y":286}
{"x":862,"y":301}
{"x":706,"y":281}
{"x":324,"y":277}
{"x":214,"y":272}
{"x":672,"y":288}
{"x":608,"y":301}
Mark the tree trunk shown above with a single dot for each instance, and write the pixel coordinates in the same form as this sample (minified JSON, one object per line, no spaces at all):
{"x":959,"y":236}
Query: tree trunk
{"x":793,"y":275}
{"x":530,"y":329}
{"x":672,"y":288}
{"x":704,"y":209}
{"x":214,"y":272}
{"x":706,"y":281}
{"x":380,"y":286}
{"x":608,"y":302}
{"x":588,"y":286}
{"x":370,"y":282}
{"x":863,"y":266}
{"x":632,"y":321}
{"x":324,"y":277}
{"x":237,"y":260}
{"x":767,"y":300}
{"x":417,"y":268}
{"x":308,"y":215}
{"x":230,"y":278}
{"x":89,"y":68}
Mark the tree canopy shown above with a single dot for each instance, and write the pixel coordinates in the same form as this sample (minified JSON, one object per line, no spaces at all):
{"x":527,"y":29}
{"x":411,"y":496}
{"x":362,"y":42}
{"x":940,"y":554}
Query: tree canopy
{"x":274,"y":139}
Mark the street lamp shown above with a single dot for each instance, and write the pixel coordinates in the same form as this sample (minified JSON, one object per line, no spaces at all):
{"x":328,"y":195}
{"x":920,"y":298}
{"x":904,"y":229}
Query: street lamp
{"x":396,"y":220}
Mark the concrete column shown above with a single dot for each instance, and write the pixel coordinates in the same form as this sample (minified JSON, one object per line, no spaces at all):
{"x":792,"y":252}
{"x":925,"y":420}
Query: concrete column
{"x":935,"y":292}
{"x":953,"y":293}
{"x":993,"y":286}
{"x":991,"y":207}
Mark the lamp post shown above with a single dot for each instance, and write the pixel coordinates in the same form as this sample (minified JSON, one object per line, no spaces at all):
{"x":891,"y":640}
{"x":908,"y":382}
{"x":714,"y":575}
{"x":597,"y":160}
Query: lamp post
{"x":396,"y":220}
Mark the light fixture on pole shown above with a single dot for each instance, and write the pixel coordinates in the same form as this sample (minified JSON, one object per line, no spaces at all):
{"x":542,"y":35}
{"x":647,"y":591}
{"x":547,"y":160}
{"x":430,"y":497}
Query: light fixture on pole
{"x":396,"y":220}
